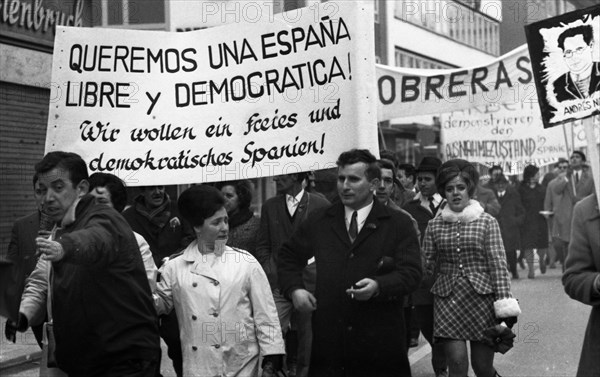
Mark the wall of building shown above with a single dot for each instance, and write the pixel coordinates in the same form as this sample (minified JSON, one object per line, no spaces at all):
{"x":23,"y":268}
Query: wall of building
{"x":425,"y":42}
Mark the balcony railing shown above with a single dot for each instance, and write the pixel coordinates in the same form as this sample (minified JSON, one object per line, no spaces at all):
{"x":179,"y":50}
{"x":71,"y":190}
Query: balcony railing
{"x":453,"y":20}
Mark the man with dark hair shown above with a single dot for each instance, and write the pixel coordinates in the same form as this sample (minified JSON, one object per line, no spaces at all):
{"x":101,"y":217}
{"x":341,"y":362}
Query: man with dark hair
{"x":386,"y":189}
{"x":407,"y":176}
{"x":426,"y":205}
{"x":155,"y":218}
{"x":110,"y":190}
{"x":583,"y":78}
{"x":101,"y":306}
{"x":280,"y":217}
{"x":21,"y":251}
{"x":495,"y":172}
{"x":367,"y":257}
{"x":569,"y":187}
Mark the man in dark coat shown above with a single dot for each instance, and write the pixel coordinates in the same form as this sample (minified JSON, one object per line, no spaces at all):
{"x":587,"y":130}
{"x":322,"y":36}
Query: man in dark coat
{"x":21,"y":251}
{"x":582,"y":278}
{"x":367,"y":258}
{"x":155,"y":218}
{"x":280,"y":217}
{"x":104,"y":318}
{"x":426,"y":205}
{"x":510,"y":219}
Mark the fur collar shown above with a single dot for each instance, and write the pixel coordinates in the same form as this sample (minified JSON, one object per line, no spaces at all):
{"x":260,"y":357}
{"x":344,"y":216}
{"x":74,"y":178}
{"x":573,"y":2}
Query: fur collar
{"x":469,"y":214}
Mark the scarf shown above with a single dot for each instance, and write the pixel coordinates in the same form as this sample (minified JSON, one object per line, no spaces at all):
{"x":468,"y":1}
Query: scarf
{"x":240,"y":217}
{"x":470,"y":213}
{"x":159,"y":216}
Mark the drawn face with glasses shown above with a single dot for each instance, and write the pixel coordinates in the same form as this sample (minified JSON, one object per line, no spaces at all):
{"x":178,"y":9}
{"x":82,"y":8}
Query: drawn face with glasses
{"x":578,"y":54}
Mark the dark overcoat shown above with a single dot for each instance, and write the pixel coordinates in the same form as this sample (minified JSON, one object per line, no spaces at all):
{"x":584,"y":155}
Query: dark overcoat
{"x":21,"y":251}
{"x":534,"y":232}
{"x":510,"y":218}
{"x":350,"y":337}
{"x":582,"y":269}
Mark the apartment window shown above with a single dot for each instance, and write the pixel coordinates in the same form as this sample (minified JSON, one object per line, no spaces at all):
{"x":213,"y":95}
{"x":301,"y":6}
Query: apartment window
{"x":459,"y":20}
{"x":134,"y":14}
{"x":408,"y":59}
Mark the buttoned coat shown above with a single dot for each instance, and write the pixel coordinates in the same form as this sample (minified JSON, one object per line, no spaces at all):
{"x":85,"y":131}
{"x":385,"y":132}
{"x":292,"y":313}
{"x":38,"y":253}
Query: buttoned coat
{"x":467,"y":248}
{"x":466,"y":251}
{"x":534,"y":231}
{"x":276,"y":227}
{"x":422,"y":215}
{"x":21,"y":251}
{"x":561,"y":195}
{"x":227,"y":316}
{"x":582,"y":268}
{"x":356,"y":338}
{"x":510,"y":218}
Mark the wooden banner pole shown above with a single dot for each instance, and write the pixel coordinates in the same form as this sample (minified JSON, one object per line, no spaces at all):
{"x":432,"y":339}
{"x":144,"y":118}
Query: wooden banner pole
{"x":593,"y":156}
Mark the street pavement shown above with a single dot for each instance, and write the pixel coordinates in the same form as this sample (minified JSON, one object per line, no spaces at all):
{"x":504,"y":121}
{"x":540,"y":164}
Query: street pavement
{"x":549,"y":332}
{"x":549,"y":336}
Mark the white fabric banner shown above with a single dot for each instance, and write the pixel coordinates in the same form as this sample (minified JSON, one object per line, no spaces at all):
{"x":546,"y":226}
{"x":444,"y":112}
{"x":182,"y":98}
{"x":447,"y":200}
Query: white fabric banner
{"x":509,"y":135}
{"x":405,"y":92}
{"x":239,"y":101}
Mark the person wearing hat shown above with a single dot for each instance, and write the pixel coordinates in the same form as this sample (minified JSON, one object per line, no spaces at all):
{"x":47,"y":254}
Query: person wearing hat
{"x":511,"y":219}
{"x":425,"y":206}
{"x":463,"y":246}
{"x":534,"y":232}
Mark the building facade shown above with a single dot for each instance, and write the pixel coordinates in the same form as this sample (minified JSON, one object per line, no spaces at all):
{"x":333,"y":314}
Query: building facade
{"x":27,"y":29}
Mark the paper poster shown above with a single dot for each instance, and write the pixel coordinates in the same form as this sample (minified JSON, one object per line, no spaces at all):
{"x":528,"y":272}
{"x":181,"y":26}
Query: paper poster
{"x":565,"y":54}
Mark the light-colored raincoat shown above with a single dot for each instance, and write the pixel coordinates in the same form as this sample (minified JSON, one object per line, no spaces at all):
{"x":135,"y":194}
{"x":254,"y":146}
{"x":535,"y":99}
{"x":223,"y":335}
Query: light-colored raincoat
{"x":227,"y":316}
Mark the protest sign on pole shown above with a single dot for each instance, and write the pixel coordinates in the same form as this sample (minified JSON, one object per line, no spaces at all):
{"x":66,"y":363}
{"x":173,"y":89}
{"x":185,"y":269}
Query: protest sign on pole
{"x":238,"y":101}
{"x":565,"y":58}
{"x":406,"y":92}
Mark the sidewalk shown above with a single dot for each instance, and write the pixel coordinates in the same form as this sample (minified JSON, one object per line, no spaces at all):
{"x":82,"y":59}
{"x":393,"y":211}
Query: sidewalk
{"x":24,"y":350}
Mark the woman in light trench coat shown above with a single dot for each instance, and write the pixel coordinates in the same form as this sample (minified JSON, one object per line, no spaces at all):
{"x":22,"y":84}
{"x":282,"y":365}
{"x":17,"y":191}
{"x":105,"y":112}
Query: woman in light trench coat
{"x":227,"y":316}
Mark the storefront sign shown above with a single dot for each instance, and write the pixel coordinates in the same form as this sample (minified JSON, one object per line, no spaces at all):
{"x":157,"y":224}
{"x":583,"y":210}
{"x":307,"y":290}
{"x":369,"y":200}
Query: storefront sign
{"x":36,"y":20}
{"x":238,"y":101}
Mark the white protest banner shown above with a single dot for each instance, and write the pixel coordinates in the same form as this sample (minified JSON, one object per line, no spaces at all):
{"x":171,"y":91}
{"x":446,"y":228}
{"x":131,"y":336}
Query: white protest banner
{"x":405,"y":92}
{"x":509,"y":135}
{"x":237,"y":101}
{"x":565,"y":53}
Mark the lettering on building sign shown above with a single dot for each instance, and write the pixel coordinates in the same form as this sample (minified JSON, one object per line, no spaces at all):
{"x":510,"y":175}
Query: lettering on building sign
{"x":33,"y":15}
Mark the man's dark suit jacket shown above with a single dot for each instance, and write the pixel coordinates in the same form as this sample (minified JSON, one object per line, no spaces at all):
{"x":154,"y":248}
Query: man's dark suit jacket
{"x":276,"y":227}
{"x":21,"y":251}
{"x":565,"y":88}
{"x":350,"y":337}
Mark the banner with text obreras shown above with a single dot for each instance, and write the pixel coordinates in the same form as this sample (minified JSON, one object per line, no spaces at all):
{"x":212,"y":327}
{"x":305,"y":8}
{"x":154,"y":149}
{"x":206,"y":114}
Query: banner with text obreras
{"x":405,"y":92}
{"x":238,"y":101}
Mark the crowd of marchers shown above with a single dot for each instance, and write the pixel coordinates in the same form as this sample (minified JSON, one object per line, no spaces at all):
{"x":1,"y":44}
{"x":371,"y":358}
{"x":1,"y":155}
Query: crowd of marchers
{"x":322,"y":283}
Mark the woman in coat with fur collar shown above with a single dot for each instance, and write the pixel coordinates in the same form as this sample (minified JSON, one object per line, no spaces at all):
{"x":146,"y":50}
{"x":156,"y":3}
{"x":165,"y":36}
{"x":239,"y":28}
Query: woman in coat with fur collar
{"x":472,"y":289}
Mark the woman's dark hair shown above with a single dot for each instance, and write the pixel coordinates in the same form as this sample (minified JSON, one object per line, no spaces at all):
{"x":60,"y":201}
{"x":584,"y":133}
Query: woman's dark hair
{"x":243,"y":189}
{"x":454,"y":168}
{"x":114,"y":185}
{"x":529,"y":172}
{"x":199,"y":203}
